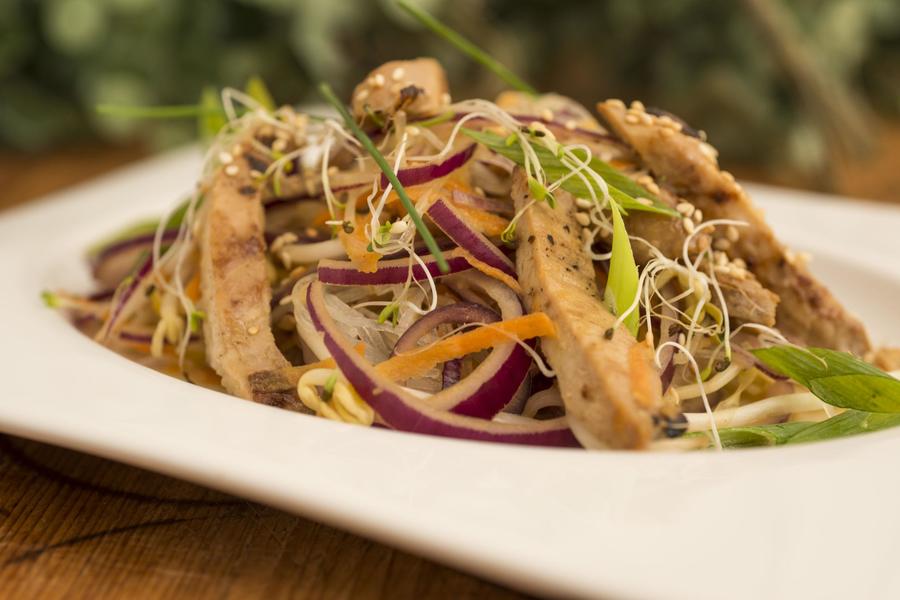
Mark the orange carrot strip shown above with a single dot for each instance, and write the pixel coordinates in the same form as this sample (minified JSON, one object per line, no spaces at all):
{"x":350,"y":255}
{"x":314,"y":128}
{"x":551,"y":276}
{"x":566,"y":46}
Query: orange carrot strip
{"x":357,"y":246}
{"x":415,"y":363}
{"x":192,"y":289}
{"x":482,"y":221}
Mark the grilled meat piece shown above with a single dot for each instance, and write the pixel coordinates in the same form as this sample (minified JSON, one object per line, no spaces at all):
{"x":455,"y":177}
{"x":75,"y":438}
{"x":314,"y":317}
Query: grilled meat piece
{"x":417,"y":86}
{"x":609,"y":384}
{"x":808,"y":313}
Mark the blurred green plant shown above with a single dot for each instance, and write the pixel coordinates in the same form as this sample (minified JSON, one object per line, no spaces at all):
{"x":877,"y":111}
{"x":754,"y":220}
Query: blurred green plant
{"x":772,"y":81}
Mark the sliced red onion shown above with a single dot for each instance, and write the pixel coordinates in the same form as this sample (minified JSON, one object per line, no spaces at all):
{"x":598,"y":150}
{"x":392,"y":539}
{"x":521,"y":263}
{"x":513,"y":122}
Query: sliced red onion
{"x":141,"y":241}
{"x":127,"y":296}
{"x":451,"y":373}
{"x":454,"y":225}
{"x":491,"y":205}
{"x":667,"y":360}
{"x":111,"y":263}
{"x":389,"y":272}
{"x":425,"y":173}
{"x":402,"y":411}
{"x":459,"y":313}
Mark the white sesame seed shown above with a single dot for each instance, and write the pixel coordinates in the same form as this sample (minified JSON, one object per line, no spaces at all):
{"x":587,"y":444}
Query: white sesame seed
{"x":698,"y":216}
{"x":587,"y":235}
{"x":398,"y":73}
{"x":804,"y":257}
{"x":644,"y":201}
{"x":378,"y":80}
{"x":399,"y":227}
{"x":253,"y":330}
{"x":237,"y":150}
{"x":362,"y":95}
{"x":571,"y":125}
{"x":685,"y":208}
{"x":721,"y":244}
{"x":333,"y":170}
{"x":413,"y":131}
{"x":231,"y":170}
{"x":652,"y":187}
{"x":255,"y":174}
{"x":225,"y":158}
{"x":645,"y":179}
{"x":790,"y":256}
{"x":638,"y":106}
{"x":682,"y":338}
{"x":632,"y":119}
{"x":445,"y":98}
{"x":547,"y":114}
{"x":479,"y":190}
{"x":616,"y":103}
{"x":739,"y":263}
{"x":666,"y":132}
{"x":721,"y":259}
{"x":732,"y":233}
{"x":583,"y":219}
{"x":728,"y":176}
{"x":688,"y":225}
{"x":584,"y":203}
{"x":647,"y":119}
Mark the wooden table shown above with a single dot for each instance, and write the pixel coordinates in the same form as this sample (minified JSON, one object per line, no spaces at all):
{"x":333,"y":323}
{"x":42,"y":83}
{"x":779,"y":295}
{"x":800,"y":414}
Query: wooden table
{"x":76,"y":526}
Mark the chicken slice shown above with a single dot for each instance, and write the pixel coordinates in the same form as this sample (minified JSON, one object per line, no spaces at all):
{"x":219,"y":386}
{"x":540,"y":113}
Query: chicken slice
{"x":807,"y":313}
{"x":417,"y":86}
{"x":609,"y":384}
{"x":234,"y":282}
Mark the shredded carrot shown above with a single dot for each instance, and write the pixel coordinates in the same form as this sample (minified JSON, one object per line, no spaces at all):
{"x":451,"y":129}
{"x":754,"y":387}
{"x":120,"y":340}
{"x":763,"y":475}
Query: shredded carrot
{"x":192,"y":289}
{"x":415,"y":363}
{"x":320,"y":218}
{"x":482,"y":221}
{"x":492,"y":272}
{"x":356,"y":244}
{"x":294,"y":374}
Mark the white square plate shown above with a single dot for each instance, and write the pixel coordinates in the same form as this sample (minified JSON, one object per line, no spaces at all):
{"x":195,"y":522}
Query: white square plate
{"x":808,"y":521}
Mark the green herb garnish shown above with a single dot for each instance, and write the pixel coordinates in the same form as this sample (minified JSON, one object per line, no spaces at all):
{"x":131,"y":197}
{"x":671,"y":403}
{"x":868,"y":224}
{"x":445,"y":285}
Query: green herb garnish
{"x":755,"y":435}
{"x":211,"y":121}
{"x":328,"y":388}
{"x":466,"y":47}
{"x":364,"y":139}
{"x":256,"y":89}
{"x":837,"y":378}
{"x":391,"y":311}
{"x":622,"y":283}
{"x":196,"y":317}
{"x":622,"y":189}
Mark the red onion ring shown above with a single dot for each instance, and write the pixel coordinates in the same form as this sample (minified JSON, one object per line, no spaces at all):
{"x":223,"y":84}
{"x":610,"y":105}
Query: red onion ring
{"x":454,"y":225}
{"x":402,"y":411}
{"x":127,"y":294}
{"x":389,"y":272}
{"x":491,"y":205}
{"x":143,"y":241}
{"x":461,"y":313}
{"x":418,"y":175}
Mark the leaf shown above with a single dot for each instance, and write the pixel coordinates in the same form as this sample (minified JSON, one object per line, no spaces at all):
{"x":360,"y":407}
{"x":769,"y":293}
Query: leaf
{"x":851,"y":422}
{"x":212,"y":116}
{"x":622,"y":283}
{"x":256,"y":89}
{"x":838,"y":378}
{"x":621,"y":188}
{"x":756,"y":435}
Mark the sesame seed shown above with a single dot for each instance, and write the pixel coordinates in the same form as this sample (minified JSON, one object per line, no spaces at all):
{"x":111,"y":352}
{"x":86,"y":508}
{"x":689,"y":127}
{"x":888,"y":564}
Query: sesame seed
{"x":666,"y":132}
{"x":682,"y":338}
{"x":721,"y":259}
{"x":584,"y":203}
{"x":616,"y":103}
{"x":547,"y":114}
{"x":685,"y":208}
{"x":237,"y":150}
{"x":645,"y":180}
{"x":804,"y":257}
{"x":571,"y":125}
{"x":647,"y":119}
{"x":332,"y":170}
{"x":255,"y":173}
{"x":688,"y":225}
{"x":413,"y":131}
{"x":698,"y":215}
{"x":631,"y":119}
{"x":398,"y":73}
{"x":587,"y":235}
{"x":728,"y":176}
{"x":732,"y":233}
{"x":790,"y":256}
{"x":652,"y":187}
{"x":638,"y":106}
{"x":225,"y":158}
{"x":253,"y":330}
{"x":583,"y":219}
{"x":479,"y":190}
{"x":362,"y":95}
{"x":231,"y":170}
{"x":721,"y":244}
{"x":445,"y":98}
{"x":378,"y":80}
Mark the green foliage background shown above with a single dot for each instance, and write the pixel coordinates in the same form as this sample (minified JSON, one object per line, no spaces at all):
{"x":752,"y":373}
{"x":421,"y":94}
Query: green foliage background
{"x":706,"y":60}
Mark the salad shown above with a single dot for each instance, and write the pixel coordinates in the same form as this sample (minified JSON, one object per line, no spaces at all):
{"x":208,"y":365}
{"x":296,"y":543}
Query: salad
{"x":518,"y":270}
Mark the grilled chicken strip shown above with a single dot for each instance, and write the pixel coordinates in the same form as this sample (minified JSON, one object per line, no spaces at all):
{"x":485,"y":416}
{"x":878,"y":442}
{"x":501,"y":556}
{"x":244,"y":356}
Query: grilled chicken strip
{"x":417,"y":86}
{"x":747,"y":299}
{"x":808,"y":313}
{"x":610,"y":385}
{"x":235,"y":285}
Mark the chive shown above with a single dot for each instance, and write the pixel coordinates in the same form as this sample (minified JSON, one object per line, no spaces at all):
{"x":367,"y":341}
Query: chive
{"x":467,"y":47}
{"x":175,"y":111}
{"x":364,"y":139}
{"x":328,"y":388}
